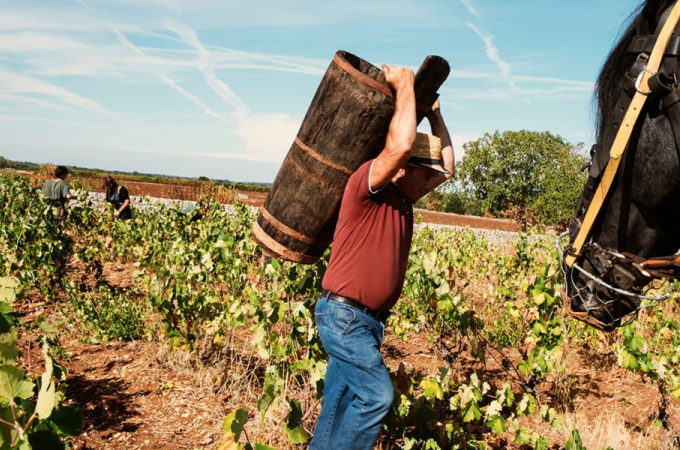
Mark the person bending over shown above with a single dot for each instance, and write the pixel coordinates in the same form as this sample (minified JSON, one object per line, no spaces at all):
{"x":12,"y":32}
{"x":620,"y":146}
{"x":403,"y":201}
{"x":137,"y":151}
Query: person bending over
{"x":367,"y":268}
{"x":119,"y":199}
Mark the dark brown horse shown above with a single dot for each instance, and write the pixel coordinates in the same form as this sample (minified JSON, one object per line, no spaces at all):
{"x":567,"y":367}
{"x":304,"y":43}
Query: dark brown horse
{"x":640,"y":218}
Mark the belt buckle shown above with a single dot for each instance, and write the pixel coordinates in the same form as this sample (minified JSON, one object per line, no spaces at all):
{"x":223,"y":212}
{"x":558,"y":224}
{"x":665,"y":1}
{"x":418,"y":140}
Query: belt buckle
{"x":382,"y":315}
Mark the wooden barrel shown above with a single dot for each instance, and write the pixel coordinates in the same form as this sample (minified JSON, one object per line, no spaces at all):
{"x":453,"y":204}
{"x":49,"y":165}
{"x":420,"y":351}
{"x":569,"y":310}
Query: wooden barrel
{"x":345,"y":126}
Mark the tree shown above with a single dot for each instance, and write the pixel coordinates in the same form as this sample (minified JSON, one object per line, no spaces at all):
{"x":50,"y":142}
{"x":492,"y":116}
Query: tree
{"x":529,"y":176}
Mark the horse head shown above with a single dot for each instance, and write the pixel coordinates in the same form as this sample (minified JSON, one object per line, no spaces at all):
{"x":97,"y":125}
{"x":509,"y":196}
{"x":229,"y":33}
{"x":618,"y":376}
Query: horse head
{"x":639,"y":218}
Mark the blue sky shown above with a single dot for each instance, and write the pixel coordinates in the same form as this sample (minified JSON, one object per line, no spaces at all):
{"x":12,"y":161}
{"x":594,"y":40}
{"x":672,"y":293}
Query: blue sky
{"x":219,"y":88}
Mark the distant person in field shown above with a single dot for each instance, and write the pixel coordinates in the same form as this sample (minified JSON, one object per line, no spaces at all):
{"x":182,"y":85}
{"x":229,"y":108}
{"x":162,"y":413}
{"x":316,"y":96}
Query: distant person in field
{"x":196,"y":211}
{"x":58,"y":192}
{"x":117,"y":196}
{"x":367,"y":268}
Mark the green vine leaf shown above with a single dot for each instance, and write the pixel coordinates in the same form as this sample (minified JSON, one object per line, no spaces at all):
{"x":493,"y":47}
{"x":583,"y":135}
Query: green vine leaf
{"x":8,"y":288}
{"x":235,"y":422}
{"x":13,"y":384}
{"x":8,"y":347}
{"x":46,"y":397}
{"x":293,"y":428}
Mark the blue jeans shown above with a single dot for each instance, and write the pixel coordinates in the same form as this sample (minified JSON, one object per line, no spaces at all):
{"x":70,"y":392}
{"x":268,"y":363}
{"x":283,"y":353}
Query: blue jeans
{"x":358,"y":391}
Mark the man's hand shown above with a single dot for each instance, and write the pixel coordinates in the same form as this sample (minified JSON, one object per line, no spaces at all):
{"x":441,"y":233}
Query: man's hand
{"x":399,"y":78}
{"x":435,"y":113}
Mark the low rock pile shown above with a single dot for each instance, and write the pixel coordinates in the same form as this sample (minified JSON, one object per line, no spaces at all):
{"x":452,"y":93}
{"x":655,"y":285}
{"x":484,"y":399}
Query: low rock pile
{"x":497,"y":238}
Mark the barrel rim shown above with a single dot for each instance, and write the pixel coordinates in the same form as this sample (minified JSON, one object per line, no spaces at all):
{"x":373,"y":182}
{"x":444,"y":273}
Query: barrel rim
{"x":277,"y":250}
{"x":288,"y":231}
{"x":360,"y":77}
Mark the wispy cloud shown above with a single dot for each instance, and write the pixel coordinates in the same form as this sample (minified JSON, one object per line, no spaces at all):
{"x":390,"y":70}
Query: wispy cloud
{"x":188,"y":35}
{"x":465,"y":74}
{"x":471,"y":8}
{"x":81,"y":59}
{"x":13,"y":83}
{"x":16,"y":117}
{"x":193,"y":99}
{"x":167,"y":80}
{"x":452,"y":105}
{"x":525,"y":88}
{"x":172,"y":5}
{"x":34,"y":102}
{"x":268,"y":136}
{"x":520,"y":94}
{"x":494,"y":55}
{"x":30,"y":41}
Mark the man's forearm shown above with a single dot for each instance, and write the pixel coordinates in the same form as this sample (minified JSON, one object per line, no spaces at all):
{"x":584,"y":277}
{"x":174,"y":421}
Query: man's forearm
{"x":439,"y":129}
{"x":402,"y":130}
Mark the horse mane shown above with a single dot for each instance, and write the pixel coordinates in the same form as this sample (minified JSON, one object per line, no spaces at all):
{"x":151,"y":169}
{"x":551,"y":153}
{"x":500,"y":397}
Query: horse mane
{"x":609,"y":82}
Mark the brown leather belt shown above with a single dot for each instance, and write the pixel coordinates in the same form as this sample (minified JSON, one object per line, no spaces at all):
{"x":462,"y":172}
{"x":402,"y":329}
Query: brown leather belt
{"x":379,"y":315}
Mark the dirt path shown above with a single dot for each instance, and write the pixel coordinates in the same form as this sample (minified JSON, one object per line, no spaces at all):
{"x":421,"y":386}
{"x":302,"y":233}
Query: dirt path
{"x":143,"y":396}
{"x":130,"y":401}
{"x":133,"y":398}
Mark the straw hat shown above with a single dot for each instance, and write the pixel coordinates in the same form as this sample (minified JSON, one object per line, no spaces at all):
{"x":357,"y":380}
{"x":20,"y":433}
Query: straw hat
{"x":427,"y":152}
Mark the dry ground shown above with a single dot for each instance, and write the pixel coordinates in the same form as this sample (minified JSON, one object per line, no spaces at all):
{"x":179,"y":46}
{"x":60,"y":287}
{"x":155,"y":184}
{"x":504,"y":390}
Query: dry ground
{"x":142,"y":395}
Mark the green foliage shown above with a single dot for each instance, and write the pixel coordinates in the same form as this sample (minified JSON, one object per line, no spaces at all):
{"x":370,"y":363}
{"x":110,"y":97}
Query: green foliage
{"x":529,"y":176}
{"x":235,"y":422}
{"x":106,"y":315}
{"x":33,"y":246}
{"x":574,"y":442}
{"x":207,"y":281}
{"x":459,"y":201}
{"x":293,"y":424}
{"x":80,"y":172}
{"x":9,"y":164}
{"x":233,"y":426}
{"x":33,"y":424}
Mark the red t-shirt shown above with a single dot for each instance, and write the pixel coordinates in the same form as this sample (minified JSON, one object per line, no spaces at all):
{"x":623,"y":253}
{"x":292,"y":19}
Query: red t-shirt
{"x":371,"y":243}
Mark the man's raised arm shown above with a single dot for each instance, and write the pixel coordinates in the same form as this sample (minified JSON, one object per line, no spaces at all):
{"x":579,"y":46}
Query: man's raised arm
{"x":439,"y":129}
{"x":402,"y":130}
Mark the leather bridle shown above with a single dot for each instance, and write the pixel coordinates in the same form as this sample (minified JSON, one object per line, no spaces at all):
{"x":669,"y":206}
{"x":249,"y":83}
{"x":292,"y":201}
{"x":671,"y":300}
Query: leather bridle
{"x":651,"y":76}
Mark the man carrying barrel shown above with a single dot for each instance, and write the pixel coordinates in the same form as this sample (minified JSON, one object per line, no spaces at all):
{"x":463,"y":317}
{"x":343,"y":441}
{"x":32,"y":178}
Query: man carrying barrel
{"x":366,"y":273}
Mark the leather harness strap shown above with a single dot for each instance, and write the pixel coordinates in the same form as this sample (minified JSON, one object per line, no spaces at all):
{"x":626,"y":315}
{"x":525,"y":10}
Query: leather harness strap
{"x":624,"y":132}
{"x":670,"y":265}
{"x":645,"y":44}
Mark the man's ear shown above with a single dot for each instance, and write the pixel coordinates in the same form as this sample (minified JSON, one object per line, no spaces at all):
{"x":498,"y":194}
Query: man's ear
{"x":399,"y":174}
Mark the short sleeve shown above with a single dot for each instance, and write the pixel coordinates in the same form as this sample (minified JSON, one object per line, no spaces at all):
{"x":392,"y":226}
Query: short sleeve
{"x":124,"y":194}
{"x":64,"y":189}
{"x":359,"y":183}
